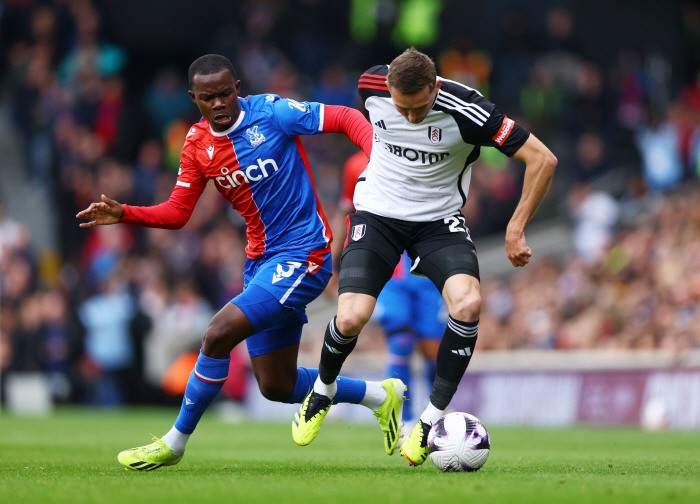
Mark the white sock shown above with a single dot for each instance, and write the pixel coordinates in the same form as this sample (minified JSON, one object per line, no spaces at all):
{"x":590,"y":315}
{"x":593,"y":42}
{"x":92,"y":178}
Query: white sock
{"x":176,"y":440}
{"x":431,"y":414}
{"x":326,"y":390}
{"x":375,"y":395}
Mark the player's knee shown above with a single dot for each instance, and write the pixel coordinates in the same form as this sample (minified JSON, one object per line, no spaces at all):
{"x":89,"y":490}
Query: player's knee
{"x":274,"y":390}
{"x":351,"y":321}
{"x":467,"y":308}
{"x":217,"y":340}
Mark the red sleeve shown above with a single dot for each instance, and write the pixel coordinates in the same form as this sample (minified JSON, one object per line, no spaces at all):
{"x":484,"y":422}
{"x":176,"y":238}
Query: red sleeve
{"x":349,"y":122}
{"x":173,"y":214}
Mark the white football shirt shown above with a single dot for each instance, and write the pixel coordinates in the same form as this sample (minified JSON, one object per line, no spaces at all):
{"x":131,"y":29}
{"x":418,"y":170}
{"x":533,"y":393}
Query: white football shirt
{"x":421,"y":172}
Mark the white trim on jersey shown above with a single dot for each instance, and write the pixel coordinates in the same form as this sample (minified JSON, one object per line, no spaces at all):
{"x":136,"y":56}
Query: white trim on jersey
{"x":183,"y":184}
{"x":462,"y":110}
{"x":466,"y":104}
{"x":321,"y":116}
{"x":231,"y":129}
{"x":470,"y":110}
{"x":463,"y":85}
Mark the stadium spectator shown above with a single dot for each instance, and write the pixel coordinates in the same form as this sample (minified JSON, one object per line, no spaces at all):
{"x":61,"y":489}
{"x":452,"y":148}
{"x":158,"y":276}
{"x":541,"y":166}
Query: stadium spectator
{"x":176,"y":330}
{"x":109,"y":350}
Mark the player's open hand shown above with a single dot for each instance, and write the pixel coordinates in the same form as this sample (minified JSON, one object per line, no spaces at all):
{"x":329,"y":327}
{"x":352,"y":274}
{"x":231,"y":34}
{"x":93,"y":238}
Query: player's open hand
{"x":107,"y":212}
{"x":516,"y":248}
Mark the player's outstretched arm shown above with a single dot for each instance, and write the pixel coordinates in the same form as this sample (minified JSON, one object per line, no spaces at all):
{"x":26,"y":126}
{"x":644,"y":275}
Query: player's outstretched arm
{"x":102,"y":214}
{"x":172,"y":214}
{"x":351,"y":123}
{"x":539,"y":170}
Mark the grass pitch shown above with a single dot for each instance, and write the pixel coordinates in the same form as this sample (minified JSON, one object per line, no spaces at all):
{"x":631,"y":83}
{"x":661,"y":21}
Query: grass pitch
{"x":71,"y":457}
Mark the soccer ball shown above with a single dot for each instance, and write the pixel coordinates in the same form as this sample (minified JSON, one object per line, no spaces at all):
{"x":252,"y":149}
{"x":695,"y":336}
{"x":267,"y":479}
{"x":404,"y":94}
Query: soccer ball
{"x":458,"y":442}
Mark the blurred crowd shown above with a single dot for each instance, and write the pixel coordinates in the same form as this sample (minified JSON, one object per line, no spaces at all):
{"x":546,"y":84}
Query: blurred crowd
{"x":639,"y":288}
{"x":107,"y":312}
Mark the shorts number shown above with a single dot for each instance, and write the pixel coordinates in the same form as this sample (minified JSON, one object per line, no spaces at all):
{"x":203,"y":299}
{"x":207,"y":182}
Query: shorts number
{"x":455,"y":222}
{"x":458,"y":225}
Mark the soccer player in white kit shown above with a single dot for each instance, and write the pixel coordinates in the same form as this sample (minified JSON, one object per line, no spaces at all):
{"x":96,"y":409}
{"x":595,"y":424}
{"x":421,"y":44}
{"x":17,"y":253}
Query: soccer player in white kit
{"x":427,"y":134}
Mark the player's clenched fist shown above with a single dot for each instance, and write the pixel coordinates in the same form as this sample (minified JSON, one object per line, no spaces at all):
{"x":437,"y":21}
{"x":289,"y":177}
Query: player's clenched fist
{"x":516,"y":248}
{"x":107,"y":212}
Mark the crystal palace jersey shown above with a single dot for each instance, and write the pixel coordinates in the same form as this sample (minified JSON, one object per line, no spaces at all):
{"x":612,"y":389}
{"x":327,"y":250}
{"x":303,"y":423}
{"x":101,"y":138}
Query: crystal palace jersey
{"x":260,"y":166}
{"x":421,"y":172}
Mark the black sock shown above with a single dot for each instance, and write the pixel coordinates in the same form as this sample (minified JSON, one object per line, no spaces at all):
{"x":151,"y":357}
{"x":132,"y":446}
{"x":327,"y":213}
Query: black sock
{"x":336,"y":349}
{"x":454,"y":354}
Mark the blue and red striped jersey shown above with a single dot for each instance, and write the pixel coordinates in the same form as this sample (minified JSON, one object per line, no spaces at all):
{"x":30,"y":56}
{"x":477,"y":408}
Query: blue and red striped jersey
{"x":260,"y":166}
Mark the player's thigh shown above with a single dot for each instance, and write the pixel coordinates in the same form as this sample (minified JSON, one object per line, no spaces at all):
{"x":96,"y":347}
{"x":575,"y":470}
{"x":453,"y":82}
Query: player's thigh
{"x":364,"y":271}
{"x":443,"y":250}
{"x":363,"y":274}
{"x":372,"y":250}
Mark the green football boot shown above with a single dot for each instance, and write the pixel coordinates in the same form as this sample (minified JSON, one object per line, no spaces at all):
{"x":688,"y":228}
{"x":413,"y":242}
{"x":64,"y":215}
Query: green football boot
{"x":149,"y":457}
{"x":307,"y":422}
{"x":415,"y":449}
{"x":390,"y":413}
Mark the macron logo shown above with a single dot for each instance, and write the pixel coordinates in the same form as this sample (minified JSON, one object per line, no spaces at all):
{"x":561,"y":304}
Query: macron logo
{"x":188,"y":402}
{"x":312,"y":266}
{"x":504,"y":131}
{"x":210,"y":151}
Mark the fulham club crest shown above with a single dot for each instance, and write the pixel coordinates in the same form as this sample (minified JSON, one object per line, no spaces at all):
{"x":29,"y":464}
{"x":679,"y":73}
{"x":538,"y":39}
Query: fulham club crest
{"x":434,"y":134}
{"x":358,"y":232}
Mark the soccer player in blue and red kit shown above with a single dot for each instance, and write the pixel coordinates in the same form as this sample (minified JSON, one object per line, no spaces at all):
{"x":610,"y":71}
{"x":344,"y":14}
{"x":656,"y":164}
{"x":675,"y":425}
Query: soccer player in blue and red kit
{"x":250,"y":149}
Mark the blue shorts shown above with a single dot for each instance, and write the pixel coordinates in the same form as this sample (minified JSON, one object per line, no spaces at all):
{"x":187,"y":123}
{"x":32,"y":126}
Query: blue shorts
{"x":275,"y":294}
{"x":412,"y":303}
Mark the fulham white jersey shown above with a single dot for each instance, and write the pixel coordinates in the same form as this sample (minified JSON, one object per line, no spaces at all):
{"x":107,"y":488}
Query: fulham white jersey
{"x":421,"y":172}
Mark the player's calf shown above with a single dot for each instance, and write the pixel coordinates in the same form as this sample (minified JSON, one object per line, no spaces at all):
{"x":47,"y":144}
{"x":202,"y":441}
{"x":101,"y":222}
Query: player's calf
{"x":336,"y":348}
{"x":276,"y":391}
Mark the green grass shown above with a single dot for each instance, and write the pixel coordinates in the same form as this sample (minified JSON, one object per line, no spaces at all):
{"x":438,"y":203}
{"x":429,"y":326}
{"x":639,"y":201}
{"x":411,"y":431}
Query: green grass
{"x":71,"y":457}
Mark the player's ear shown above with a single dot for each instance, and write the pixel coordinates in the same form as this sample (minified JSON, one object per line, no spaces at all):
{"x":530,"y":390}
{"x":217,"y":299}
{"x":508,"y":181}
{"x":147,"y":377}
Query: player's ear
{"x":191,"y":93}
{"x":238,"y":88}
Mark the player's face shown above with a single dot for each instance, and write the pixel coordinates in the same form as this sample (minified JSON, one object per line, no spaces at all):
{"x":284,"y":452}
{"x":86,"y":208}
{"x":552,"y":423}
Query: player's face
{"x":216,"y":95}
{"x":415,"y":107}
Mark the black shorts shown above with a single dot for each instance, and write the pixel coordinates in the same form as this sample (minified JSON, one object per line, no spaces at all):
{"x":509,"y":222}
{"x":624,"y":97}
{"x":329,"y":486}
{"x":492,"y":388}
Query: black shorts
{"x":438,"y":250}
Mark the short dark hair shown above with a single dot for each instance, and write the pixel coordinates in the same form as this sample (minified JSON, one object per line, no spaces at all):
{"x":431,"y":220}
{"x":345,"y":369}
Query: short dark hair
{"x":411,"y":71}
{"x":209,"y":64}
